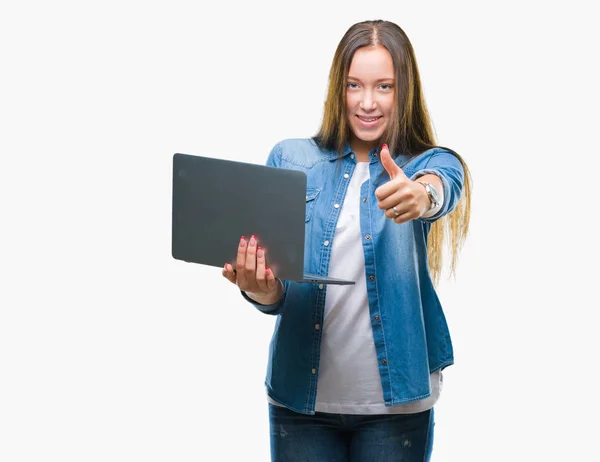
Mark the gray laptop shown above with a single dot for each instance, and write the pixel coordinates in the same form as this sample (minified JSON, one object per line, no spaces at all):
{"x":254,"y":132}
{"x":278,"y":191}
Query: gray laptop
{"x":217,"y":201}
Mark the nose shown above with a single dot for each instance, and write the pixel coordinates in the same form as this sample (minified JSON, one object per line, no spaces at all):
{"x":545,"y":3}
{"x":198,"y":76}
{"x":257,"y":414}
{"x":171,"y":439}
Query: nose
{"x":368,"y":102}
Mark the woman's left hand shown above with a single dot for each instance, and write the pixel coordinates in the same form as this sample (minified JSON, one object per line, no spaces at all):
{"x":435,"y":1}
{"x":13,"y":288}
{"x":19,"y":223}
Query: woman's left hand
{"x":401,"y":198}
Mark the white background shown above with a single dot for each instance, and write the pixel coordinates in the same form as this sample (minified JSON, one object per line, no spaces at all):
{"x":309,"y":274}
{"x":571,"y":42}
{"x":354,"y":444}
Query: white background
{"x":111,"y":350}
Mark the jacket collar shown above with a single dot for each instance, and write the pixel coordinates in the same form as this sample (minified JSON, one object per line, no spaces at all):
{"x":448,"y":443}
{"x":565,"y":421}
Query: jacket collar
{"x":333,"y":155}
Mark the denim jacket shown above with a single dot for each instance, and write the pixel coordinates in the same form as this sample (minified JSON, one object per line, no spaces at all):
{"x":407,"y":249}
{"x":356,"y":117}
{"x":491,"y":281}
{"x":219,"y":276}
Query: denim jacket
{"x":409,"y":328}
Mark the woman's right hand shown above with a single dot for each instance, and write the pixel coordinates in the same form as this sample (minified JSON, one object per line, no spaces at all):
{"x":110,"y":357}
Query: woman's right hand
{"x":252,"y":275}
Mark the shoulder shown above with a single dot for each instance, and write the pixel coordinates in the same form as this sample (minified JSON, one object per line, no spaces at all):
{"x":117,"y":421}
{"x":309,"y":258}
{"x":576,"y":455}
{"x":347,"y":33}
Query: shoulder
{"x":434,"y":157}
{"x":302,"y":152}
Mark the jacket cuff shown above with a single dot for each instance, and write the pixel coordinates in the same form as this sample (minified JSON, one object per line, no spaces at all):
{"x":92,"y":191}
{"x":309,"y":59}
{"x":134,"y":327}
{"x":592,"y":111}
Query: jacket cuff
{"x":274,"y":308}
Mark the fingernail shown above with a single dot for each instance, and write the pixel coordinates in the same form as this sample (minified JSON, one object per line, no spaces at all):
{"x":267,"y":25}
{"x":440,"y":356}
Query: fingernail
{"x":267,"y":270}
{"x":252,"y":240}
{"x":384,"y":146}
{"x":243,"y":242}
{"x":260,"y":253}
{"x":225,"y":267}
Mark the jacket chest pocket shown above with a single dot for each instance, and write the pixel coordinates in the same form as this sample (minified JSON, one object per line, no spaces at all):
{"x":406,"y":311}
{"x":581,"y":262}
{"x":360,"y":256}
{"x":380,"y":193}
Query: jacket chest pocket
{"x":311,"y":196}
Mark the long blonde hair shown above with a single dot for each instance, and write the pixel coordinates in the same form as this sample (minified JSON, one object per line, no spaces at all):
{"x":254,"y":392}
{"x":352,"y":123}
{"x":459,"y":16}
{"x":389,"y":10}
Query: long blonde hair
{"x":411,"y":134}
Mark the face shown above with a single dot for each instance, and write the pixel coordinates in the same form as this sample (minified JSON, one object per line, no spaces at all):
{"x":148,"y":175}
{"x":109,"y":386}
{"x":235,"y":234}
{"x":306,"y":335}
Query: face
{"x":369,"y":96}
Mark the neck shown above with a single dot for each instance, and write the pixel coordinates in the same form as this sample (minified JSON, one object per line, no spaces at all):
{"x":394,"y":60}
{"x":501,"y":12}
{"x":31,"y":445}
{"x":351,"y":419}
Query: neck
{"x":362,"y":148}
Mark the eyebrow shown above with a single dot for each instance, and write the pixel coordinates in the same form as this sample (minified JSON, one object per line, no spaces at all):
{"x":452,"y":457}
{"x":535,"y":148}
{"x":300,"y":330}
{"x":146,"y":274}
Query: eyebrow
{"x":377,"y":81}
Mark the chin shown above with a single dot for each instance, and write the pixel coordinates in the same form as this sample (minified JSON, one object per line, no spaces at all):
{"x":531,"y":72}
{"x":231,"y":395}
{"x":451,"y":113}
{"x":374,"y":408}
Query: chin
{"x":368,"y":137}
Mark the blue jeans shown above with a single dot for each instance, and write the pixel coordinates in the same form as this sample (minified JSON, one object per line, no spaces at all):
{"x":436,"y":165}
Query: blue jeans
{"x":327,"y":437}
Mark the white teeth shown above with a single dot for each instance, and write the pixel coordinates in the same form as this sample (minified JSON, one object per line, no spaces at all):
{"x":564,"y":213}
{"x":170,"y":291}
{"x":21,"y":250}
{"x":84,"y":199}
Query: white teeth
{"x":368,"y":120}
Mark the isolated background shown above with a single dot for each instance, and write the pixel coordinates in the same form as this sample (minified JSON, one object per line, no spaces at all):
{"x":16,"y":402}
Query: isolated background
{"x":110,"y":350}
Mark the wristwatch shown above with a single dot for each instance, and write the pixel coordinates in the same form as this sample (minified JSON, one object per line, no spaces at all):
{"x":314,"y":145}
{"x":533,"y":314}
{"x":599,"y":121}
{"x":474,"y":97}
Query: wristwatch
{"x":432,"y":194}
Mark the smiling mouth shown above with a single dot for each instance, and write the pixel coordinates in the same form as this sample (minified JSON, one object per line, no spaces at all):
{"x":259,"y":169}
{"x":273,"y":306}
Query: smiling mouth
{"x":369,"y":119}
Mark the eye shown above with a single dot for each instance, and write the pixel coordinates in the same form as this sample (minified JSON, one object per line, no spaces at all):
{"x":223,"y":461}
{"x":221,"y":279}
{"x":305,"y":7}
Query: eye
{"x":386,"y":86}
{"x":352,"y":85}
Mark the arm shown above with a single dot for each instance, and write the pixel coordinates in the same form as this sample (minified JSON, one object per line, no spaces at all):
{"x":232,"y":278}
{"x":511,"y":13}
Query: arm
{"x":257,"y":283}
{"x":404,"y":199}
{"x":268,"y":306}
{"x":437,"y":183}
{"x":445,"y":172}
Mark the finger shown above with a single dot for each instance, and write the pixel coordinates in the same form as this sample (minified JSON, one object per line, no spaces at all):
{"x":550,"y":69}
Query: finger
{"x":404,"y":195}
{"x":388,"y":163}
{"x":260,"y":269}
{"x":240,"y":263}
{"x":406,"y":217}
{"x":394,"y":199}
{"x":404,"y":201}
{"x":391,"y":213}
{"x":250,"y":266}
{"x":400,"y":211}
{"x":229,"y":273}
{"x":385,"y":190}
{"x":271,"y":279}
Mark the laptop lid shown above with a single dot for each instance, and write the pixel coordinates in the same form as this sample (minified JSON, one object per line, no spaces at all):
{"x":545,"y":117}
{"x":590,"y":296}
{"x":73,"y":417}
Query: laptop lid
{"x":216,"y":201}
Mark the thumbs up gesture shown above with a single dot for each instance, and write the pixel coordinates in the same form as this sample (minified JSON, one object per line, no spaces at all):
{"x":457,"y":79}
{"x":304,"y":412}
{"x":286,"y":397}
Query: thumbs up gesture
{"x":401,"y":198}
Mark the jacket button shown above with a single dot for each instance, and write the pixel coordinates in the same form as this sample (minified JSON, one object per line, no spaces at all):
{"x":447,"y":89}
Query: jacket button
{"x":383,"y":361}
{"x":371,"y":278}
{"x":377,"y":318}
{"x":367,"y":237}
{"x":314,"y":371}
{"x":317,"y":326}
{"x":321,"y":286}
{"x":326,"y":243}
{"x":346,"y":176}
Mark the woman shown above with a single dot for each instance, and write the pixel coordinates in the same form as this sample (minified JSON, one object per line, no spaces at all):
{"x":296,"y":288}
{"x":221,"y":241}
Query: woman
{"x":354,"y":371}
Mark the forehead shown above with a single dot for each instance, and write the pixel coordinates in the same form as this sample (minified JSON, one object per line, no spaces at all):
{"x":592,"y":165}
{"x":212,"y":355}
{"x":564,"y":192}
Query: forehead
{"x":372,"y":62}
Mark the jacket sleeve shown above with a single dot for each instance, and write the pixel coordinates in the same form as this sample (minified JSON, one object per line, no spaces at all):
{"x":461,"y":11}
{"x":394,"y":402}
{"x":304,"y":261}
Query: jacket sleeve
{"x":449,"y":169}
{"x":273,"y":160}
{"x":274,"y":157}
{"x":273,"y":309}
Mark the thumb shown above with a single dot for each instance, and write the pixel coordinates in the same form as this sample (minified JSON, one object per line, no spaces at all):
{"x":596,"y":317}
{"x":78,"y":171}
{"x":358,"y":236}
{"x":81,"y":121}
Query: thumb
{"x":388,"y":163}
